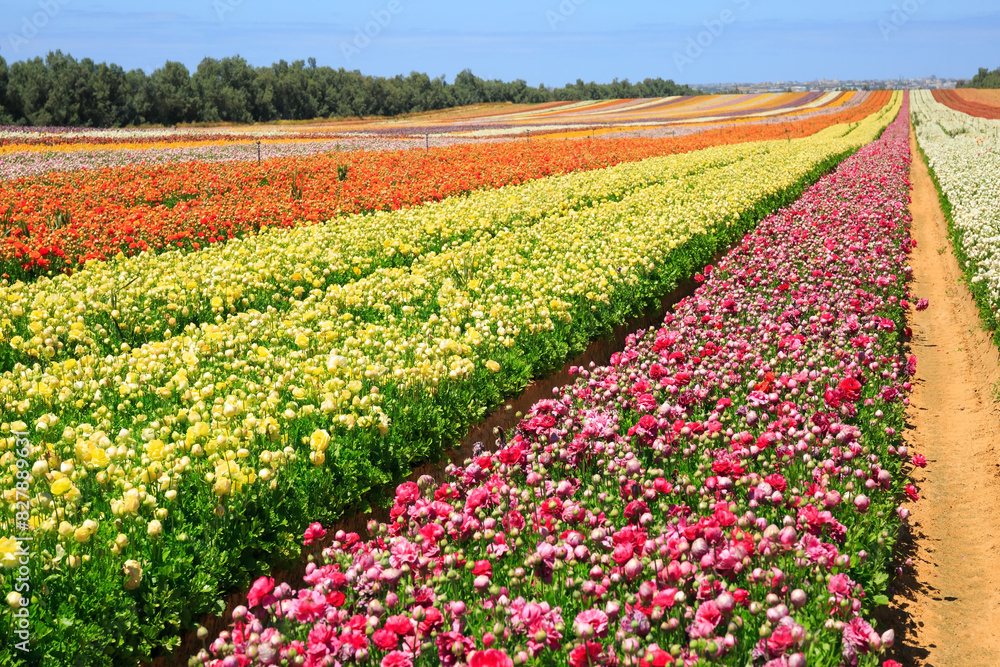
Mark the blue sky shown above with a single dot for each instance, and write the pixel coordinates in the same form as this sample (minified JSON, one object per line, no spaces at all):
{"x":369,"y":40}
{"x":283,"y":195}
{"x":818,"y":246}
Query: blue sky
{"x":541,"y":41}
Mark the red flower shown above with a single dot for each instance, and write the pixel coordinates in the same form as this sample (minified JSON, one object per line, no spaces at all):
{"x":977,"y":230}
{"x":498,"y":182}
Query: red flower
{"x":483,"y":567}
{"x":387,"y":640}
{"x":851,"y":389}
{"x":586,"y":655}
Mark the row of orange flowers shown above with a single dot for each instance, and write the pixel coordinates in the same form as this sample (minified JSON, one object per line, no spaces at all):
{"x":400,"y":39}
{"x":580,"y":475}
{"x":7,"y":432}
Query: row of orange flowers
{"x":55,"y":223}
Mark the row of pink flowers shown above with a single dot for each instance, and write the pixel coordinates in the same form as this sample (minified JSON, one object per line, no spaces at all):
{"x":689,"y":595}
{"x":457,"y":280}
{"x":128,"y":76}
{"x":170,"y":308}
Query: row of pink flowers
{"x":726,"y":490}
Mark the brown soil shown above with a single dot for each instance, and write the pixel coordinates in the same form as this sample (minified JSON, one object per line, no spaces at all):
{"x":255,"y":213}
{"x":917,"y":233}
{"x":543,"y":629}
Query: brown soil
{"x":946,"y":609}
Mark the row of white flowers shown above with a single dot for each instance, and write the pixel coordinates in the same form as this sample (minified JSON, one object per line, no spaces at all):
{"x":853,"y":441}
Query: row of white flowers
{"x":964,"y":152}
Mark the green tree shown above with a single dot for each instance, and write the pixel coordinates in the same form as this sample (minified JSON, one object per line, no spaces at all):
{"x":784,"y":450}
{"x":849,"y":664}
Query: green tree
{"x":60,"y":90}
{"x":172,"y":96}
{"x":5,"y":116}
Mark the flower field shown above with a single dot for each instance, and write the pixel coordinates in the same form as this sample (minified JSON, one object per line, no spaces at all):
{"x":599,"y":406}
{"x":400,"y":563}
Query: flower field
{"x":963,"y":153}
{"x":726,"y":491}
{"x":57,"y":222}
{"x":189,"y":413}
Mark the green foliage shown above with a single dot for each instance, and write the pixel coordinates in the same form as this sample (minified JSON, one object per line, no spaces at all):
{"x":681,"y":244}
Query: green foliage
{"x":59,"y":90}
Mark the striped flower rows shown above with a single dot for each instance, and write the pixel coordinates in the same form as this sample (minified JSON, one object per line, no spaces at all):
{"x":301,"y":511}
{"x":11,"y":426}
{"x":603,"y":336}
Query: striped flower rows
{"x":163,"y":472}
{"x":726,"y":491}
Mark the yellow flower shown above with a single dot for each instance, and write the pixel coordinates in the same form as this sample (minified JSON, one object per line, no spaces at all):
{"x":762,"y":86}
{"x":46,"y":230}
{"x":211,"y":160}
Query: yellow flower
{"x":8,"y":546}
{"x":493,"y":366}
{"x":222,"y":487}
{"x":320,"y":440}
{"x":61,"y":486}
{"x":155,"y":450}
{"x":131,"y":501}
{"x":133,"y":570}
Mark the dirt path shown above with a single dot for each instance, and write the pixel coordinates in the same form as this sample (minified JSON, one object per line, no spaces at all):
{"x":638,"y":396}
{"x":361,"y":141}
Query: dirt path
{"x":947,"y":606}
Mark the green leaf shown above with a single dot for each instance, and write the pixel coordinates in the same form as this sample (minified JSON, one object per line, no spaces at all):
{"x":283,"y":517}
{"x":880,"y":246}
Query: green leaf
{"x":880,"y":600}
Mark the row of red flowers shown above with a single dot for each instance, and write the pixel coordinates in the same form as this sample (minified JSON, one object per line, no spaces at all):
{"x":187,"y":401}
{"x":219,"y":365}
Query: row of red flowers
{"x":726,"y":490}
{"x":980,"y":103}
{"x":55,"y":223}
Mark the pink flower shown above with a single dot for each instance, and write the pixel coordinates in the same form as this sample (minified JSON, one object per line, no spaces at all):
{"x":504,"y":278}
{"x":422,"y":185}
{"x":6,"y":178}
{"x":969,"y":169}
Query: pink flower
{"x":407,"y":492}
{"x":840,"y":586}
{"x":490,"y":658}
{"x":859,"y":636}
{"x":594,"y":620}
{"x":261,"y":590}
{"x":400,"y":624}
{"x":397,"y":659}
{"x":705,"y":620}
{"x":313,"y":532}
{"x":919,"y":461}
{"x":452,"y":646}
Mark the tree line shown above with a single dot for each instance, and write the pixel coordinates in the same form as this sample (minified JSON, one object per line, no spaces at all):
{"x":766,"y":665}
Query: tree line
{"x":62,"y":91}
{"x":983,"y":79}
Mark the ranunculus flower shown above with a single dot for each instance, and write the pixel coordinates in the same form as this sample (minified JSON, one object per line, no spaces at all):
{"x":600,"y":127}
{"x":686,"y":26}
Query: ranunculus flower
{"x":593,"y":619}
{"x":407,"y":492}
{"x":314,"y":532}
{"x":491,"y":657}
{"x":260,"y":590}
{"x":397,"y":659}
{"x":386,"y":640}
{"x":400,"y":624}
{"x":588,"y":654}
